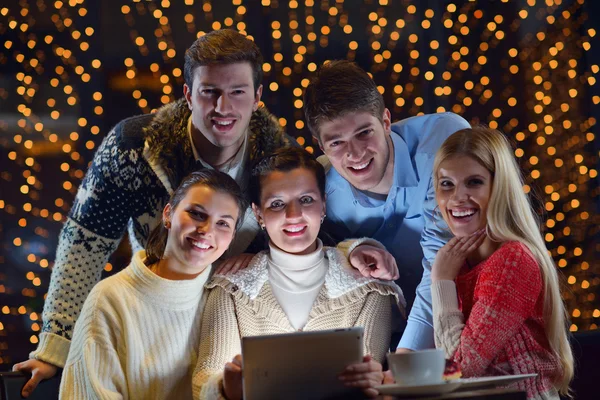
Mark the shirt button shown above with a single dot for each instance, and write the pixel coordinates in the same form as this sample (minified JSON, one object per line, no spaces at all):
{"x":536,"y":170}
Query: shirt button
{"x":390,"y":225}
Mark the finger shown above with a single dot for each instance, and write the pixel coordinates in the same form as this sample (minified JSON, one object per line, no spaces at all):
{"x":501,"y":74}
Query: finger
{"x":387,"y":269}
{"x":388,"y":378}
{"x":235,"y":266}
{"x":20,"y":366}
{"x":363,"y":383}
{"x":468,"y":242}
{"x":237,"y":360}
{"x":362,"y":377}
{"x":367,"y":365}
{"x":31,"y":384}
{"x":371,"y":392}
{"x":453,"y":242}
{"x":231,"y":368}
{"x":362,"y":267}
{"x":475,"y":245}
{"x":396,"y":271}
{"x":241,"y":263}
{"x":224,"y":267}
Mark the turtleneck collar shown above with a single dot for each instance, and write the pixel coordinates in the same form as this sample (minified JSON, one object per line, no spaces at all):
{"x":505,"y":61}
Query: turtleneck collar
{"x":297,"y":273}
{"x":167,"y":293}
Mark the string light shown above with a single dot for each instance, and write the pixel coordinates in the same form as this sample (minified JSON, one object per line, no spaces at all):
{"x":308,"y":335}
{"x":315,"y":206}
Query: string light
{"x":525,"y":74}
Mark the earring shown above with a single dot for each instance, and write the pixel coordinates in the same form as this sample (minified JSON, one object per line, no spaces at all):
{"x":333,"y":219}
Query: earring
{"x":167,"y":224}
{"x":263,"y":227}
{"x":323,"y":218}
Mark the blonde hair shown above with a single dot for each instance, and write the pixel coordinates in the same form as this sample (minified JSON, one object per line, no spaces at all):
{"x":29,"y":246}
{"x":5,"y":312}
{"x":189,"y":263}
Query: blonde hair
{"x":511,"y":218}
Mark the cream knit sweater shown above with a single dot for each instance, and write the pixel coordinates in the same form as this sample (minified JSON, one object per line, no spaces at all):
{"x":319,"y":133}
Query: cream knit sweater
{"x":242,"y":304}
{"x":136,"y":338}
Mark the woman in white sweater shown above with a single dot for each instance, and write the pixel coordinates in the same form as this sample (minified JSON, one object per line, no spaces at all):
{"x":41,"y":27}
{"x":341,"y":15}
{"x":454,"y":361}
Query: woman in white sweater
{"x":295,"y":285}
{"x":138,"y":333}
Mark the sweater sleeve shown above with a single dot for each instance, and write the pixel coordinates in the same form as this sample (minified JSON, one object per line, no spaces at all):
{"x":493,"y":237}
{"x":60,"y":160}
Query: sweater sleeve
{"x":219,"y":342}
{"x":97,"y":374}
{"x":505,"y":295}
{"x":376,"y":318}
{"x":105,"y":201}
{"x":93,"y":369}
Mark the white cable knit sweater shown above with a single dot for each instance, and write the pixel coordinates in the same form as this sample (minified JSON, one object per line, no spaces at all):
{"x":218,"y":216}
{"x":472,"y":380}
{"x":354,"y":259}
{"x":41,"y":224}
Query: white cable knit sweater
{"x":137,"y":337}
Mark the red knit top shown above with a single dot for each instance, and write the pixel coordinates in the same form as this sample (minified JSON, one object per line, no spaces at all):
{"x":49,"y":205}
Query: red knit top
{"x":502,"y":302}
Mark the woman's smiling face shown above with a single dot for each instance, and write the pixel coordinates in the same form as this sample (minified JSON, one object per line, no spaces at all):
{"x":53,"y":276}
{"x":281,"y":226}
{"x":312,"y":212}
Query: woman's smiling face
{"x":201,"y":227}
{"x":291,"y":209}
{"x":463,"y":192}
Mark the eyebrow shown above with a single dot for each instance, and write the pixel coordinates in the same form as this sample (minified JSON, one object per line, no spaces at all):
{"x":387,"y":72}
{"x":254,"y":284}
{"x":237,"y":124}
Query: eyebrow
{"x":468,"y":177}
{"x":200,"y":206}
{"x":338,"y":135}
{"x":279,"y":195}
{"x":212,"y":85}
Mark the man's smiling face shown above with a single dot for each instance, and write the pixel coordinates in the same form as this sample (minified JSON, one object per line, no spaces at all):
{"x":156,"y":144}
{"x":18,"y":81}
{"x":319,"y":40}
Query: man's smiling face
{"x":358,"y":146}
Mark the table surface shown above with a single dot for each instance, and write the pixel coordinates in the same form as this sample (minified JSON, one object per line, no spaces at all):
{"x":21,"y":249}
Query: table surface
{"x":492,"y":394}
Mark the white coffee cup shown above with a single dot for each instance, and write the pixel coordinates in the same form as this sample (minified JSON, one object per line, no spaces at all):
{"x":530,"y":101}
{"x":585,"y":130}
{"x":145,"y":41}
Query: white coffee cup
{"x":423,"y":367}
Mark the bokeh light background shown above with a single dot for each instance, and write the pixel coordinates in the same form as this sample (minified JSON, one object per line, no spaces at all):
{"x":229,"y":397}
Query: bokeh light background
{"x":70,"y":70}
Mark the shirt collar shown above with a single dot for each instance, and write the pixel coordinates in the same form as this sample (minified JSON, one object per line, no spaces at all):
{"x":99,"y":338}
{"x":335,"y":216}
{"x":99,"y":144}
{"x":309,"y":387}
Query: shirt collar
{"x":239,"y":158}
{"x":404,"y":172}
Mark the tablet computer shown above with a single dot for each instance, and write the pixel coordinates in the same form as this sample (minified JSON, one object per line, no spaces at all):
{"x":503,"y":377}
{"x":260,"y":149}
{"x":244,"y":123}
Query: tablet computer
{"x":300,"y":365}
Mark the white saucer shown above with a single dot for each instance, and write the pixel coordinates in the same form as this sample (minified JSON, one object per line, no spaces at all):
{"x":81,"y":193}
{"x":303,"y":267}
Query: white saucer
{"x":419,"y":390}
{"x":487,"y":381}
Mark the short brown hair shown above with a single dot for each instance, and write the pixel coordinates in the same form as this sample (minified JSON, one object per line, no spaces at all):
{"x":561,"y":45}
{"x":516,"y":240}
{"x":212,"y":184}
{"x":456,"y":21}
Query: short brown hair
{"x":217,"y":181}
{"x":339,"y":88}
{"x":284,"y":159}
{"x":224,"y":46}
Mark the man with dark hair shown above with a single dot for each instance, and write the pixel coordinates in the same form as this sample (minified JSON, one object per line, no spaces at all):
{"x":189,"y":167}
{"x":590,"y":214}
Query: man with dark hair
{"x":380,"y":185}
{"x":218,"y":124}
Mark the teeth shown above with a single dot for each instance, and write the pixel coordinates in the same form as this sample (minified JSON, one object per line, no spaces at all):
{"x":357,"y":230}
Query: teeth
{"x":200,"y":245}
{"x":361,"y":166}
{"x":465,"y":213}
{"x":223,"y":123}
{"x":294,"y":229}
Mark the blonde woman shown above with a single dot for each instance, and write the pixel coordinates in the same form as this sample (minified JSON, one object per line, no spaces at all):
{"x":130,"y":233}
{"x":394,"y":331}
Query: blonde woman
{"x":496,"y":301}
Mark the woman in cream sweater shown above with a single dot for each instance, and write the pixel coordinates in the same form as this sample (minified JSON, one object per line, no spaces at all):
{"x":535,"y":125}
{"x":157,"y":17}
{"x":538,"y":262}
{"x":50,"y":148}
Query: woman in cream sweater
{"x":138,"y":333}
{"x":298,"y":284}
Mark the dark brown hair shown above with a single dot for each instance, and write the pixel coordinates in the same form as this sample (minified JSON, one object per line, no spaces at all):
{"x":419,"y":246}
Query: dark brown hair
{"x":284,"y":159}
{"x":339,"y":88}
{"x":223,"y":46}
{"x":217,"y":181}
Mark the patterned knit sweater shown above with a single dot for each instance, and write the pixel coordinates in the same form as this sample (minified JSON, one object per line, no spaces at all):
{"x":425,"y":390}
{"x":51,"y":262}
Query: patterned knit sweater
{"x":134,"y":171}
{"x":495,"y":325}
{"x":243,"y":304}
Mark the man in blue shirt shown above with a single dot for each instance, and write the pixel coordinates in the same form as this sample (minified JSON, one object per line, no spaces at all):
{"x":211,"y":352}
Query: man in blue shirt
{"x":380,"y":185}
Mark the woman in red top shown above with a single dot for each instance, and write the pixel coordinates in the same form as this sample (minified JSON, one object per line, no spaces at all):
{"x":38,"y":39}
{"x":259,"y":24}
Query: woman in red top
{"x":497,"y":308}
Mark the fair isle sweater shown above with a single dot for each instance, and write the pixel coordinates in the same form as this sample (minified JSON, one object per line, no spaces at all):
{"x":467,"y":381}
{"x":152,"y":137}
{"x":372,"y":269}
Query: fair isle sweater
{"x":136,"y":338}
{"x":243,"y":304}
{"x":490,"y":320}
{"x":134,"y":171}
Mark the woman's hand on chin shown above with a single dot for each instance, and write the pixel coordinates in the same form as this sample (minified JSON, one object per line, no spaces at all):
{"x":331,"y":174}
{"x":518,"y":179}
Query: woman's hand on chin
{"x":450,"y":258}
{"x":232,"y":379}
{"x":365,"y":376}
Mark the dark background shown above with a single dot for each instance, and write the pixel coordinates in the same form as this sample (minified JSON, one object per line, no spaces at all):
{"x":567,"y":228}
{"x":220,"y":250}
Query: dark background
{"x":70,"y":70}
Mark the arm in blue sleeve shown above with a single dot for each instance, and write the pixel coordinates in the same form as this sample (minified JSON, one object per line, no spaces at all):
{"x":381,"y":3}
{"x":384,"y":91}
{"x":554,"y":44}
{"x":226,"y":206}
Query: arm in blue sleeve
{"x":418,"y":334}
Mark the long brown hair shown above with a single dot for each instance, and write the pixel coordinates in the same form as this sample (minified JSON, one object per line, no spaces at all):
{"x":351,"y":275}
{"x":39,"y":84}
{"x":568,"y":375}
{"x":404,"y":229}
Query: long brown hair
{"x":217,"y":181}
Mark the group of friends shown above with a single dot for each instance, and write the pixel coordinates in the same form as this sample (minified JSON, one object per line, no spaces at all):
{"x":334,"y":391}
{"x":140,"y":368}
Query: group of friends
{"x":419,"y":231}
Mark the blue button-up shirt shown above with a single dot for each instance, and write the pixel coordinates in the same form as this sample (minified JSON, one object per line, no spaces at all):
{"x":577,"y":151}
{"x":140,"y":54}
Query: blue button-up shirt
{"x":405,"y":222}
